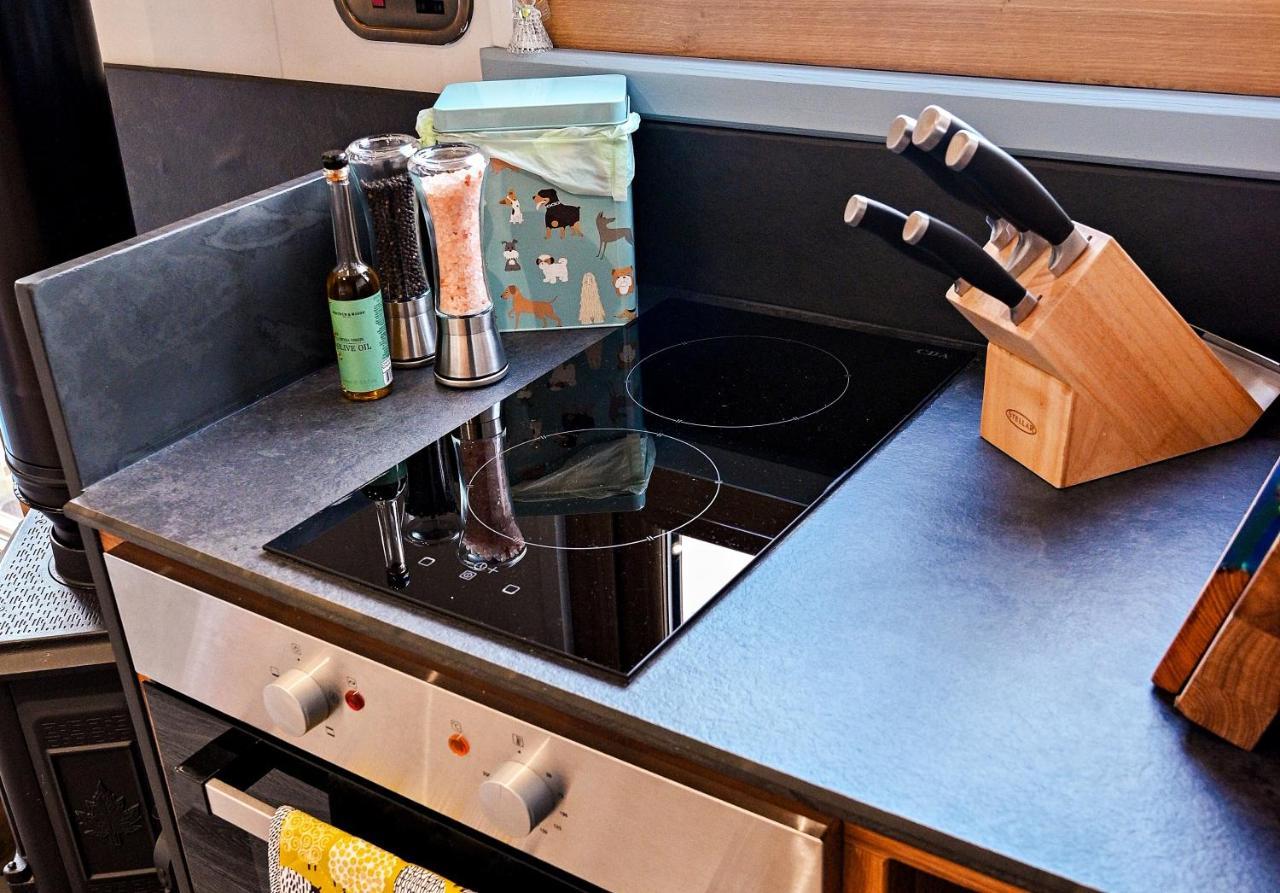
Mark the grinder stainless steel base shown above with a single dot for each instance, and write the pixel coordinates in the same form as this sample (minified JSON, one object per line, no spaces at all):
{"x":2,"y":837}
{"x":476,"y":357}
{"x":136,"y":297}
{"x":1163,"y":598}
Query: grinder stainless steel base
{"x":470,"y":353}
{"x":412,"y":329}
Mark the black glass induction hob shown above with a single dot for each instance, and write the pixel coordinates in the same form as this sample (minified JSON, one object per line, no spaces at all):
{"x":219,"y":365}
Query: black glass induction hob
{"x":597,"y":510}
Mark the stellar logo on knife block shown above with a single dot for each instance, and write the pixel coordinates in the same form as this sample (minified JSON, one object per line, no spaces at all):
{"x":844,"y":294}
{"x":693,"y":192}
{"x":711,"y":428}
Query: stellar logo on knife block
{"x":1090,"y":370}
{"x":1021,"y":422}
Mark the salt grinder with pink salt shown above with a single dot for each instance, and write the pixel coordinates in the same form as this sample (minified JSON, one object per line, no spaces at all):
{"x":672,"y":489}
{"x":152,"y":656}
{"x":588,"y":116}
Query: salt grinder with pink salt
{"x":449,"y":179}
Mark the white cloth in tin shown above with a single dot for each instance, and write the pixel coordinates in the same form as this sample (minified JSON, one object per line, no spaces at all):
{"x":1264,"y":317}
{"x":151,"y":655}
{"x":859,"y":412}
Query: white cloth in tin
{"x":593,"y":159}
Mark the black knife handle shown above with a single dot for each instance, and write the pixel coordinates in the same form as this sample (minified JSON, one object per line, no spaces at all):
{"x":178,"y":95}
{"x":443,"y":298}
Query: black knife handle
{"x":964,"y":255}
{"x":934,"y":167}
{"x":1010,"y":184}
{"x":935,"y":127}
{"x":930,"y":137}
{"x":886,"y":222}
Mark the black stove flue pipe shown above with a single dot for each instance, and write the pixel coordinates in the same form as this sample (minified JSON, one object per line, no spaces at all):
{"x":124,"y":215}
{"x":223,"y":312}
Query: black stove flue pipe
{"x":62,"y":194}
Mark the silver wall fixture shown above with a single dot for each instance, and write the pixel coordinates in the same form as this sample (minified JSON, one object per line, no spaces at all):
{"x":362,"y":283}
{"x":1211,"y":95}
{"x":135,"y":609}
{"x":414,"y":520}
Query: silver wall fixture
{"x":407,"y":21}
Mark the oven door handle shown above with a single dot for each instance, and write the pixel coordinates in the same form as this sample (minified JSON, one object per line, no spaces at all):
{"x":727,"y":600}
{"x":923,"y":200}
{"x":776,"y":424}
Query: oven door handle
{"x":239,"y":809}
{"x":223,"y":769}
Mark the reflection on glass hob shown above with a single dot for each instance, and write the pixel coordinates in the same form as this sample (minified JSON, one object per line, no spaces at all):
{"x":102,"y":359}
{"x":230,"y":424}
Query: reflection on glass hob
{"x":597,"y":510}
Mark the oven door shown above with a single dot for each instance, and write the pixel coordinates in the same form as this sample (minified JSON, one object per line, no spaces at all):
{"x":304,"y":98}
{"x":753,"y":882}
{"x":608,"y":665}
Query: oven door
{"x":226,"y":782}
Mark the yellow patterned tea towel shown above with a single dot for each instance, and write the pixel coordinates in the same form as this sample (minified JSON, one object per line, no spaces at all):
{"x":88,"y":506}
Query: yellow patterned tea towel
{"x":308,"y":856}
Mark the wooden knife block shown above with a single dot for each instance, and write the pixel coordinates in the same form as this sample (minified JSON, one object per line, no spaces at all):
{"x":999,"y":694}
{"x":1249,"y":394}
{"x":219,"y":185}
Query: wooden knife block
{"x":1223,"y":667}
{"x":1103,"y":376}
{"x":1234,"y":690}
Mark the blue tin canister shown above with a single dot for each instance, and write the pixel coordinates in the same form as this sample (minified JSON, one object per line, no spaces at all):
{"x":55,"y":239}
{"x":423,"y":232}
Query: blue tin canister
{"x":557,"y":214}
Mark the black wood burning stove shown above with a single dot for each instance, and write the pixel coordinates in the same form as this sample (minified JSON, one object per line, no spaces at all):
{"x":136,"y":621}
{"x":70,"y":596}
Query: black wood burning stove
{"x":69,"y":759}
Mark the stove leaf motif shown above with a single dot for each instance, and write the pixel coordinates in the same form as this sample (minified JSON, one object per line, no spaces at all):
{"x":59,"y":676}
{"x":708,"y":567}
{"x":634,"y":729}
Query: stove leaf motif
{"x":105,"y":815}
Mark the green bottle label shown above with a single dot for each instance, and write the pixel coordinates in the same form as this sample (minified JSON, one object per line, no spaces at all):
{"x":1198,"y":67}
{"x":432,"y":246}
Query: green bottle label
{"x":360,"y":335}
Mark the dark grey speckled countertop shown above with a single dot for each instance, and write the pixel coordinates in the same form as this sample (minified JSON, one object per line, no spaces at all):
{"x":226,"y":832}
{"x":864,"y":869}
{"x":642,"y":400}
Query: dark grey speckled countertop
{"x":948,"y":650}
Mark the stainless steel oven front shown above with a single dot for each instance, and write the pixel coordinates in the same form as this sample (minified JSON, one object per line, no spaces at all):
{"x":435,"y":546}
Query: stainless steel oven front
{"x":249,"y":714}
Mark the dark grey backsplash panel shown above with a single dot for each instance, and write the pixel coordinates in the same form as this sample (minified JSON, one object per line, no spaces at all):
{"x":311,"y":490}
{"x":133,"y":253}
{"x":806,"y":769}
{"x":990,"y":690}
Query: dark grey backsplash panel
{"x":193,"y":140}
{"x":758,"y":216}
{"x":152,"y":339}
{"x":146,"y":341}
{"x":735,"y":213}
{"x":149,"y":340}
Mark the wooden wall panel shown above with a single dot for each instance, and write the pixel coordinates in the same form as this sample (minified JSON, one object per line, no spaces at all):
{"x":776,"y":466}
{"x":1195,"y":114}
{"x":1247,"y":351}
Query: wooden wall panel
{"x":1226,"y":46}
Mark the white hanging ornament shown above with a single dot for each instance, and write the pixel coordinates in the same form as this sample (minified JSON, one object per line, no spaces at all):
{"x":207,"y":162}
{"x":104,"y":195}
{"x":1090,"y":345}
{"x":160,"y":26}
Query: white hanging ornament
{"x":528,"y":33}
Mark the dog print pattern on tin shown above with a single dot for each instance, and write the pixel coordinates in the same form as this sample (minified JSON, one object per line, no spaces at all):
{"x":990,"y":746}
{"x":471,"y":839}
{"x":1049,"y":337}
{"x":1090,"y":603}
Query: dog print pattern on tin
{"x":584,"y":266}
{"x":543,"y":311}
{"x":557,"y":216}
{"x":590,"y":307}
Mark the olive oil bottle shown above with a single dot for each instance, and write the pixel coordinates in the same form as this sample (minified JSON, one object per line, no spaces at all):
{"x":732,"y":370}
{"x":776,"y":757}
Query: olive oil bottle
{"x":355,"y":298}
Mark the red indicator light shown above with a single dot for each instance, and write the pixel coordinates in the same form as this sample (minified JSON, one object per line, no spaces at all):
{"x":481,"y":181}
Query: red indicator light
{"x":459,"y":745}
{"x":354,"y":699}
{"x":379,"y":4}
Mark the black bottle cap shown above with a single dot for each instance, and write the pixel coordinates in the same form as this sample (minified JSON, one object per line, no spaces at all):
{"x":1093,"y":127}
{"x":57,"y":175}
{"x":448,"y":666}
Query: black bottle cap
{"x":334,"y":160}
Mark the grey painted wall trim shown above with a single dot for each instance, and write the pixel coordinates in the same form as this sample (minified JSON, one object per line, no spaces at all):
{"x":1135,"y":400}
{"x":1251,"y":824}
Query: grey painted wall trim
{"x":1202,"y":132}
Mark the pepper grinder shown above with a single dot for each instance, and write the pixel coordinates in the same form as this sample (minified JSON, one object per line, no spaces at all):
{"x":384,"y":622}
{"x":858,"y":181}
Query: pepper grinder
{"x":450,"y":180}
{"x":381,"y":167}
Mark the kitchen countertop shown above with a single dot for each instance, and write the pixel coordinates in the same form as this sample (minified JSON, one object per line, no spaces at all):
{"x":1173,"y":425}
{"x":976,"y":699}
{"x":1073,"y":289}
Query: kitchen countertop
{"x":948,"y":650}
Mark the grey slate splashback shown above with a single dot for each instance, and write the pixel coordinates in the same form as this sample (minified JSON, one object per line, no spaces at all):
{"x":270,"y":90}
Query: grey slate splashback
{"x":735,"y":213}
{"x":166,"y":333}
{"x":758,"y":216}
{"x":191,"y":140}
{"x":148,"y":340}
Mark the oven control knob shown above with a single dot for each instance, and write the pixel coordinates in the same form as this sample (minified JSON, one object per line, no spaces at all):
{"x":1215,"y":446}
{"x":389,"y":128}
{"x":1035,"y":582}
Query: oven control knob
{"x":296,"y":702}
{"x":516,"y":798}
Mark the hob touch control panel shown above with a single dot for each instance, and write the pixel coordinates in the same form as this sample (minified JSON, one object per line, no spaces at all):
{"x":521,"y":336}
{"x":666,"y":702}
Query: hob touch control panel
{"x":608,"y":822}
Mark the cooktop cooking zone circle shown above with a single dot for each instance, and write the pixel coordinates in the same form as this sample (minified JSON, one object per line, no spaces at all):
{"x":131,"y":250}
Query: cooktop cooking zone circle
{"x":715,"y":382}
{"x":608,"y":487}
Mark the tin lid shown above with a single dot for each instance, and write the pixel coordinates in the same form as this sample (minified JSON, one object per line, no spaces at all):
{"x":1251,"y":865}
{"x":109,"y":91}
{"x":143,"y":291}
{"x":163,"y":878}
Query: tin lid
{"x":532,"y":103}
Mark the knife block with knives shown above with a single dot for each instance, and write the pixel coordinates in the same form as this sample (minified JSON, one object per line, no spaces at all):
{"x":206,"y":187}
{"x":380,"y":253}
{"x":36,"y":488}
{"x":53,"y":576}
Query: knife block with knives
{"x":1090,"y":370}
{"x":1103,"y":376}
